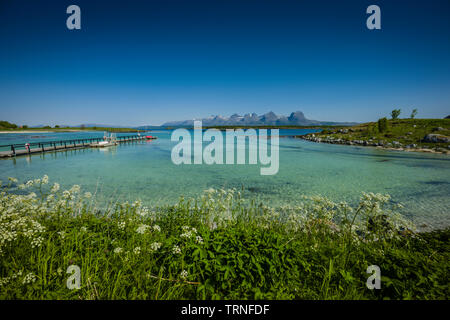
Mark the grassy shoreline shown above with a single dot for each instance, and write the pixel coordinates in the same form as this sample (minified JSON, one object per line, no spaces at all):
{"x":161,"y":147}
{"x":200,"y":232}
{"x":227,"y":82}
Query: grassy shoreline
{"x":213,"y":247}
{"x":417,"y":135}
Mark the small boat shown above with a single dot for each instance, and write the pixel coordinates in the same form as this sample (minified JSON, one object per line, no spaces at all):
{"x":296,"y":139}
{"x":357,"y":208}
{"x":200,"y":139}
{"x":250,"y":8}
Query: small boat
{"x":108,"y":141}
{"x":103,"y":144}
{"x":150,"y":137}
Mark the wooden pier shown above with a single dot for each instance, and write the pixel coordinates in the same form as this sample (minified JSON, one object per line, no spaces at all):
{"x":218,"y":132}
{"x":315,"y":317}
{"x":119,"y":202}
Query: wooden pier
{"x":49,"y":146}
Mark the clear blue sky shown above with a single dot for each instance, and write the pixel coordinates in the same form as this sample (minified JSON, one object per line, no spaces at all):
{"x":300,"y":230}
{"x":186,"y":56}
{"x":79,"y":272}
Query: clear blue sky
{"x":147,"y":62}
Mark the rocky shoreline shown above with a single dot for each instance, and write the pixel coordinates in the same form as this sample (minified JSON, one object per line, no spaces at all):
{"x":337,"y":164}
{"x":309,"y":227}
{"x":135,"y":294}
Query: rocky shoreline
{"x":394,"y":146}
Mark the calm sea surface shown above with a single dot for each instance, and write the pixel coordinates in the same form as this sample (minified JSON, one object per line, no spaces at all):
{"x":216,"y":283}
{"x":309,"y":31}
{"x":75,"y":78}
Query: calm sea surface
{"x":144,"y":170}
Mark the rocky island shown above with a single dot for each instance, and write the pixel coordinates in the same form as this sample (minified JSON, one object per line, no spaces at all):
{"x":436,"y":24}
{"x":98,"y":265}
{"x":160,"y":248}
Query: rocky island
{"x":422,"y":135}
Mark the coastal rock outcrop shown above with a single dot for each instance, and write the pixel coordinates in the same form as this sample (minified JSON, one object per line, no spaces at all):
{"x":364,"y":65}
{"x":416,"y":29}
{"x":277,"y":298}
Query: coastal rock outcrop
{"x":436,"y":138}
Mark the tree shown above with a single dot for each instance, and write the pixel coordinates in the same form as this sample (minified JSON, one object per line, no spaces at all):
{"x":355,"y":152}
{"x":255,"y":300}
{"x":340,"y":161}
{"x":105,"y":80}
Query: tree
{"x":413,"y":113}
{"x":56,"y":126}
{"x":395,"y":113}
{"x":6,"y":124}
{"x":382,"y":124}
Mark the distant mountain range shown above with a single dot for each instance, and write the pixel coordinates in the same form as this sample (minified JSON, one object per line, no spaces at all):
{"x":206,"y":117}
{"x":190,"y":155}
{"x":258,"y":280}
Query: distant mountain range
{"x":296,"y":118}
{"x":252,"y":119}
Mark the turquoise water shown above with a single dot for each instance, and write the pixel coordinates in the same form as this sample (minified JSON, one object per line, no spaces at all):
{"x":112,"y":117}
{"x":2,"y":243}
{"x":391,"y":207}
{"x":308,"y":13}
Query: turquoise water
{"x":421,"y":182}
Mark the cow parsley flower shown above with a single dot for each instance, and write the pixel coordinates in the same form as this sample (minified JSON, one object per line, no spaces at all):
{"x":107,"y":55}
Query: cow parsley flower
{"x":176,"y":250}
{"x":199,"y":239}
{"x":75,"y":189}
{"x":29,"y":278}
{"x":121,"y":225}
{"x":142,"y":228}
{"x":55,"y":188}
{"x":155,"y":246}
{"x":44,"y":179}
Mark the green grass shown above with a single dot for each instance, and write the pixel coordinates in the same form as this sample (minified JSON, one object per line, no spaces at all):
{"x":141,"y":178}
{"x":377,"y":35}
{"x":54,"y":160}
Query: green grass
{"x":217,"y":246}
{"x":405,"y":131}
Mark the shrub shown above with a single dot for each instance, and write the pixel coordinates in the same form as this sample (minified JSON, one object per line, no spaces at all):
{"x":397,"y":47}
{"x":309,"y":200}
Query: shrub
{"x":382,"y":124}
{"x":7,"y":125}
{"x":395,"y":113}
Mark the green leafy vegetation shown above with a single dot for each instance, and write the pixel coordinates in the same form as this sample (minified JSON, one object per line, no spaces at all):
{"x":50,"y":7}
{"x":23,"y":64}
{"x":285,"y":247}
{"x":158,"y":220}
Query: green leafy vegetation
{"x":395,"y":113}
{"x":382,"y":125}
{"x":6,"y":125}
{"x":216,"y":246}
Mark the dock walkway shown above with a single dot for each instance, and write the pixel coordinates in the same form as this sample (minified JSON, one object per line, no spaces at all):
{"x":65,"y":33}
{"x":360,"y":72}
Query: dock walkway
{"x":13,"y":150}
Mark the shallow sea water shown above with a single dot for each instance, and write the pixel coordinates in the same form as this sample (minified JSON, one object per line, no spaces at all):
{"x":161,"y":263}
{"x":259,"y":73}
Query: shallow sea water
{"x":144,"y":170}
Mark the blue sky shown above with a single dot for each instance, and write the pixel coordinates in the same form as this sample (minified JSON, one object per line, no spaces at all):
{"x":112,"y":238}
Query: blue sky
{"x":147,"y":62}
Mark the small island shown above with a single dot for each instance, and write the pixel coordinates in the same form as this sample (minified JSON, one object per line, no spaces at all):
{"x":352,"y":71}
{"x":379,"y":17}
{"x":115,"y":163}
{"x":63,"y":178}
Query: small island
{"x":422,"y":135}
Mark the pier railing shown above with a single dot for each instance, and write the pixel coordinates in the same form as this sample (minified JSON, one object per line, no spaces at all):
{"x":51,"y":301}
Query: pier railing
{"x":33,"y":147}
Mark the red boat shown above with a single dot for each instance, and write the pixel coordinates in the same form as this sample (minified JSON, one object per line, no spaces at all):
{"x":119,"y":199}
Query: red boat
{"x":150,"y":137}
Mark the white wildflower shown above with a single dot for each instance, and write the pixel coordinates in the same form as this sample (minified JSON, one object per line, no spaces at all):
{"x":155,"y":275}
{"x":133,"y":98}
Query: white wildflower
{"x":137,"y":204}
{"x":45,"y":179}
{"x":75,"y":189}
{"x":55,"y":188}
{"x":29,"y":278}
{"x":199,"y":239}
{"x":210,"y":190}
{"x":32,"y":195}
{"x":142,"y":228}
{"x":176,"y":249}
{"x":37,"y":242}
{"x":121,"y":225}
{"x":155,"y":246}
{"x":187,"y":234}
{"x":184,"y":274}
